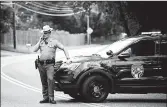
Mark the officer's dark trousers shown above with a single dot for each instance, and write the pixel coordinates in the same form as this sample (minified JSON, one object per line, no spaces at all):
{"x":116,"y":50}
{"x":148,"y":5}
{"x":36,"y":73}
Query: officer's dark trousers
{"x":46,"y":73}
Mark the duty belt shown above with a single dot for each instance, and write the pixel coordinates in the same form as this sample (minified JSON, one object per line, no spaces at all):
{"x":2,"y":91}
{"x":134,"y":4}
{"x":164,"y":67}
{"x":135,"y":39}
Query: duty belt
{"x":47,"y":62}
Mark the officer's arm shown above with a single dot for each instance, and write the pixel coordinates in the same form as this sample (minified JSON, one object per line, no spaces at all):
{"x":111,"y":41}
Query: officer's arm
{"x":36,"y":47}
{"x":60,"y":46}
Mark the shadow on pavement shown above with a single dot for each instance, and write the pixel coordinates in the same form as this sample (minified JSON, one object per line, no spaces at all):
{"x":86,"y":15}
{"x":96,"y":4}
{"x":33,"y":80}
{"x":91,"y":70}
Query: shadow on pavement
{"x":137,"y":100}
{"x":118,"y":101}
{"x":71,"y":101}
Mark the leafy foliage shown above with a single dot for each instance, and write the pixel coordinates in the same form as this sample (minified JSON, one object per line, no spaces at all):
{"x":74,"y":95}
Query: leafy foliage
{"x":105,"y":17}
{"x":6,"y":19}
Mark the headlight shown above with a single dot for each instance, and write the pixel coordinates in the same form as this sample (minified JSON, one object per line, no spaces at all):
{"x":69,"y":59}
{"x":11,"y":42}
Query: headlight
{"x":72,"y":66}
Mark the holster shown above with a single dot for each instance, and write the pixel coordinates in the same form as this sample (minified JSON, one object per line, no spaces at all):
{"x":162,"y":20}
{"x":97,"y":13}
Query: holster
{"x":53,"y":60}
{"x":36,"y":63}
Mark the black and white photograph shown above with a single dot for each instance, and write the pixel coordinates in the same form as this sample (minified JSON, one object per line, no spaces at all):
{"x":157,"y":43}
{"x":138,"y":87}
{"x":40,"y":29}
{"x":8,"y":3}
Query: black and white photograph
{"x":83,"y":53}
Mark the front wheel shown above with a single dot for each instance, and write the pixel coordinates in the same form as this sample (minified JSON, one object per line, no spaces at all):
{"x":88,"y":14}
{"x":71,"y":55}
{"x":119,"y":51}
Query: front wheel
{"x":95,"y":88}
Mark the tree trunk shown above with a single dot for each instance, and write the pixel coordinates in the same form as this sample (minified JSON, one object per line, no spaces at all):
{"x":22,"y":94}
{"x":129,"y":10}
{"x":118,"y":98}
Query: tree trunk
{"x":125,"y":23}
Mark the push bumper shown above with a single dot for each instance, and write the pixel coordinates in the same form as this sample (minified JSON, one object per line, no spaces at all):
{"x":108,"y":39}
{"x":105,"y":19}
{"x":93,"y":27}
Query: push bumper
{"x":66,"y":88}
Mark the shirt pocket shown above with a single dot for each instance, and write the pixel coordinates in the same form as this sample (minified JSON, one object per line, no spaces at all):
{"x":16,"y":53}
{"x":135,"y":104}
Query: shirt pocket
{"x":51,"y":45}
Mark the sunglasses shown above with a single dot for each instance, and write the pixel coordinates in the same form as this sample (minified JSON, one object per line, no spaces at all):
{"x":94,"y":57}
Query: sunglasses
{"x":47,"y":32}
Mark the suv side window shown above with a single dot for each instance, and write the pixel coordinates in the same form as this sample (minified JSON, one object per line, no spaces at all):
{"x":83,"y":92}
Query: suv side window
{"x":163,"y":47}
{"x":143,"y":48}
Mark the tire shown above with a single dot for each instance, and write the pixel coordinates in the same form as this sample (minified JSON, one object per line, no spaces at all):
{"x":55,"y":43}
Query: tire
{"x":95,"y":89}
{"x":75,"y":96}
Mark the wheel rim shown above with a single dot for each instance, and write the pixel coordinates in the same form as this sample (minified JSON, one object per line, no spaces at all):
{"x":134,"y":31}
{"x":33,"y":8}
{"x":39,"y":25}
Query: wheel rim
{"x":96,"y":89}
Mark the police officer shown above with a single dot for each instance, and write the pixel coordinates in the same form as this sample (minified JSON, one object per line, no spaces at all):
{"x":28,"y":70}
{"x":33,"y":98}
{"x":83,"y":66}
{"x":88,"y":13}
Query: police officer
{"x":47,"y":47}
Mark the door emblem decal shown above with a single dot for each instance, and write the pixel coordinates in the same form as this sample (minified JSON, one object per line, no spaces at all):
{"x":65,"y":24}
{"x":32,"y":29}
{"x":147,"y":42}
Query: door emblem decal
{"x":137,"y":71}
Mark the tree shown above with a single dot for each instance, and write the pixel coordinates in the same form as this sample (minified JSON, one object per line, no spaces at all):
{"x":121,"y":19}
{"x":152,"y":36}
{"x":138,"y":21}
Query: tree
{"x":6,"y":18}
{"x":106,"y":17}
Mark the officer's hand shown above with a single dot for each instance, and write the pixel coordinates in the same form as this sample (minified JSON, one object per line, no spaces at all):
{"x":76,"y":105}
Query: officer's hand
{"x":41,"y":38}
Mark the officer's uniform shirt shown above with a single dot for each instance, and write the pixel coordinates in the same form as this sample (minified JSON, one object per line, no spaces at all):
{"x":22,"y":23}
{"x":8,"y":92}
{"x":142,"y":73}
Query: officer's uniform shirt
{"x":48,"y":46}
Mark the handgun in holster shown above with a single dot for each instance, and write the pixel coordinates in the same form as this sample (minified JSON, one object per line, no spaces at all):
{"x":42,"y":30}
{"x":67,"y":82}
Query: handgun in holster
{"x":53,"y":60}
{"x":36,"y":63}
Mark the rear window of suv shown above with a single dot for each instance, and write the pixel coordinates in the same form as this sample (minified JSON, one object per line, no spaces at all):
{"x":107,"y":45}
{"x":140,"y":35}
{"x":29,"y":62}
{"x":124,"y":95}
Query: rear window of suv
{"x":143,"y":48}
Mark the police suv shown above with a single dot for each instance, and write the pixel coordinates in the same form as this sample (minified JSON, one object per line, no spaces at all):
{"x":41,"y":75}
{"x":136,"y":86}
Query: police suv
{"x":133,"y":65}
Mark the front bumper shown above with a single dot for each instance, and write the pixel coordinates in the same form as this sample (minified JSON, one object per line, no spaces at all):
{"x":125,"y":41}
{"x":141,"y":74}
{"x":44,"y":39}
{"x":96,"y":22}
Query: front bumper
{"x":66,"y":87}
{"x":65,"y":83}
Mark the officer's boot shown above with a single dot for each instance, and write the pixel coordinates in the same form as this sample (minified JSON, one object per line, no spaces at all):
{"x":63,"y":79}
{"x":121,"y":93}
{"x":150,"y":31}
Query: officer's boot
{"x":52,"y":101}
{"x":46,"y":100}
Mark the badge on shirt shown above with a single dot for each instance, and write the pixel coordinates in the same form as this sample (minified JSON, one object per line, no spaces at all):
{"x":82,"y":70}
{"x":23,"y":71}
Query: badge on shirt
{"x":50,"y":44}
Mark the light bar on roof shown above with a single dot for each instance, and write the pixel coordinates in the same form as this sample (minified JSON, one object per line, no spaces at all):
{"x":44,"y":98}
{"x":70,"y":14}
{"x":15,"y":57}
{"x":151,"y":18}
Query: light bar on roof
{"x":148,"y":33}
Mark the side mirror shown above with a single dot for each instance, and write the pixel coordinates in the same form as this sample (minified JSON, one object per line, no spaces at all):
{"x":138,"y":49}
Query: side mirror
{"x":110,"y":53}
{"x":123,"y":56}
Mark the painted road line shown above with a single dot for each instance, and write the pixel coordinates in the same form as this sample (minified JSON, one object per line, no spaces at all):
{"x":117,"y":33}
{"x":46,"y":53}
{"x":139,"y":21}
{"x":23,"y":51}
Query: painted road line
{"x":39,"y":91}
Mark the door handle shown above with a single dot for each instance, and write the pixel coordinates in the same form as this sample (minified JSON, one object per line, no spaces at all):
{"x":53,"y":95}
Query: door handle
{"x":149,"y":62}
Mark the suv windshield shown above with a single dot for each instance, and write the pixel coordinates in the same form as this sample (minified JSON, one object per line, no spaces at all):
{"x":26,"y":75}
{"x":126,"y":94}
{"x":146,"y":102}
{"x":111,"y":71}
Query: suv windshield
{"x":116,"y":46}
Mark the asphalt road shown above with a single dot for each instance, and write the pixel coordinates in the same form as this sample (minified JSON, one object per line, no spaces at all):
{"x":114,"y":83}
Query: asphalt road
{"x":21,"y":87}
